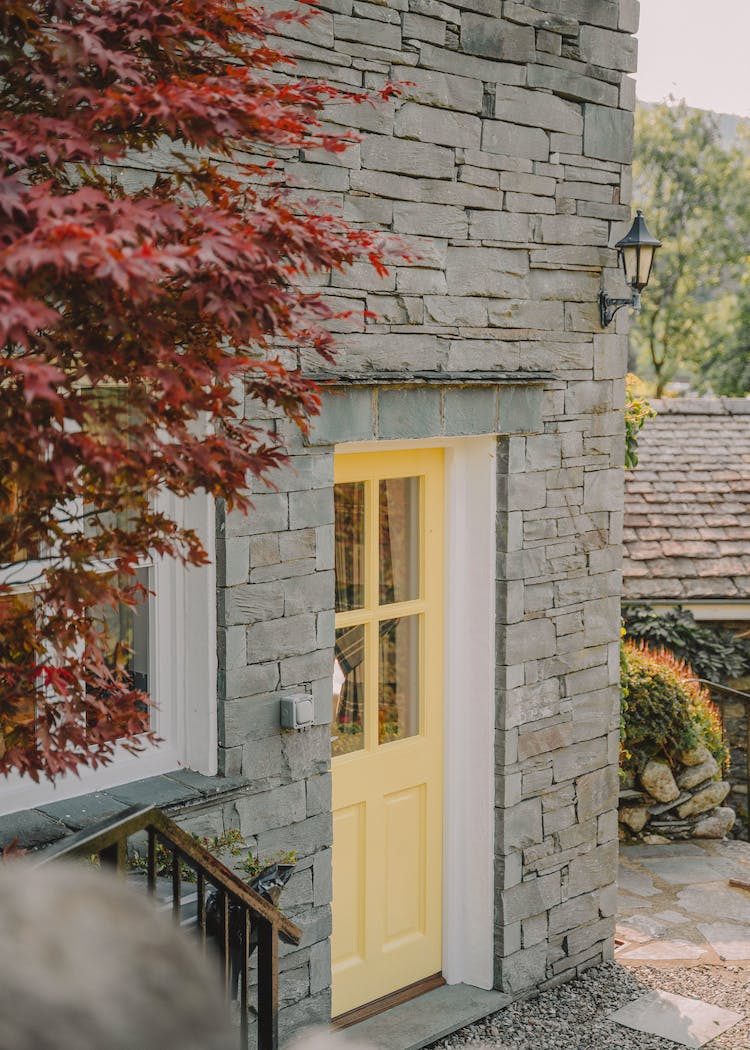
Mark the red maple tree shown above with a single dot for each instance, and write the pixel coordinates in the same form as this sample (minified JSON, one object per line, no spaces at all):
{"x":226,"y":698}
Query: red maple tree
{"x":130,"y":318}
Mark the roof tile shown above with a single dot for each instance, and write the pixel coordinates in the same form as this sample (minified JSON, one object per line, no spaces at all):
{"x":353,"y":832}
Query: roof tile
{"x":687,"y":505}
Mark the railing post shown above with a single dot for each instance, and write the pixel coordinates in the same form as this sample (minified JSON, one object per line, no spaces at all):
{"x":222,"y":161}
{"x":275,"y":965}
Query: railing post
{"x":201,"y":913}
{"x":244,"y":976}
{"x":176,"y":884}
{"x":151,"y":867}
{"x":268,"y":986}
{"x":226,"y":950}
{"x":116,"y":855}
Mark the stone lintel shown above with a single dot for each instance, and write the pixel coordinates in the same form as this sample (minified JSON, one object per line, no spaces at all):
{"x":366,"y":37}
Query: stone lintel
{"x":394,"y":406}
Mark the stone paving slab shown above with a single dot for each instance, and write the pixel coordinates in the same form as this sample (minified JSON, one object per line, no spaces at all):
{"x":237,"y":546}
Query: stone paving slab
{"x":730,"y":941}
{"x":647,"y":926}
{"x":665,"y":951}
{"x":671,"y":917}
{"x":664,"y":849}
{"x":690,"y":1022}
{"x":637,"y":882}
{"x":689,"y":870}
{"x":676,"y":906}
{"x":716,"y":901}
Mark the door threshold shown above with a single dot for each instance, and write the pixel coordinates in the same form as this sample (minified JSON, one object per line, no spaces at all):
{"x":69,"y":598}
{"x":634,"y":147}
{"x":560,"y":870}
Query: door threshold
{"x":420,"y":1021}
{"x":387,"y":1002}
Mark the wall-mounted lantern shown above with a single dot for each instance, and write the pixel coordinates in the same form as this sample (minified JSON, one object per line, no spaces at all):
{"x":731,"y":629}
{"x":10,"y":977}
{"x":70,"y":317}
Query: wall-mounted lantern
{"x":637,"y":250}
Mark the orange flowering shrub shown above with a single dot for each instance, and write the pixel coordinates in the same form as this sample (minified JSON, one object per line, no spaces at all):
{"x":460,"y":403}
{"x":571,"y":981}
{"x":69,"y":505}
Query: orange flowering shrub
{"x":665,"y":710}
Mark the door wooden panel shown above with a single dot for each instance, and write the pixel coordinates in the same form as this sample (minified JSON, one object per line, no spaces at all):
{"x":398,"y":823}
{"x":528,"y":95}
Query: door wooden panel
{"x":405,"y":884}
{"x":387,"y":730}
{"x":349,"y":833}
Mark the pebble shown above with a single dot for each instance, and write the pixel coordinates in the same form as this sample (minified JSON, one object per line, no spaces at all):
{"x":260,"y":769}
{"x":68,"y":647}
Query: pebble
{"x":573,"y":1015}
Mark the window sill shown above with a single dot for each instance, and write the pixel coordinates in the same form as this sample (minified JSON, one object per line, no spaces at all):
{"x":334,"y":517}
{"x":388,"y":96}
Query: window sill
{"x":34,"y":829}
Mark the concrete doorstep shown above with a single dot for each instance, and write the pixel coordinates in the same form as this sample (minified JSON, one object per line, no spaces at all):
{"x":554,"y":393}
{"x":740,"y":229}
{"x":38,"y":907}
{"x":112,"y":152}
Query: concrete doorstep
{"x":431,"y":1016}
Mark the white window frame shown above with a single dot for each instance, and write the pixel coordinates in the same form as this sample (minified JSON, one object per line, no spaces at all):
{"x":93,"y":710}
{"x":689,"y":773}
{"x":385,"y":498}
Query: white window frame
{"x":182,"y":675}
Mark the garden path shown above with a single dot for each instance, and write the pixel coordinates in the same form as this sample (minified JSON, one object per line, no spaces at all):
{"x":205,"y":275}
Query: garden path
{"x":679,"y":904}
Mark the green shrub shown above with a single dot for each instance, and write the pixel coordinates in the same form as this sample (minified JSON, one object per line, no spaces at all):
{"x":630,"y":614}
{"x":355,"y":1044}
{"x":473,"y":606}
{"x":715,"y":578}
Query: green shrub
{"x":664,"y":710}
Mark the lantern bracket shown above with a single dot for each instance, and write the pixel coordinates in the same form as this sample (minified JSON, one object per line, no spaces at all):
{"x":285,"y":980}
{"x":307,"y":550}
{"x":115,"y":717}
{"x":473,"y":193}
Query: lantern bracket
{"x":608,"y":306}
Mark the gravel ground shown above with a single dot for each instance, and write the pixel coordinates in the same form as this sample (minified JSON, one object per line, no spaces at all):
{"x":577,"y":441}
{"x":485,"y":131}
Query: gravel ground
{"x":573,"y":1016}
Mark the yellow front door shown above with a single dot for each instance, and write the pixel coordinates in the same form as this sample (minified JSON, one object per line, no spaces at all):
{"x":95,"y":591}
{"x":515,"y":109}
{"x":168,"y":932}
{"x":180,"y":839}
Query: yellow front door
{"x":387,"y":728}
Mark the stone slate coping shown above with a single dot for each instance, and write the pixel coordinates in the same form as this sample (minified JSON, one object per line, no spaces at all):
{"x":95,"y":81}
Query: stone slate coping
{"x":428,"y":377}
{"x":34,"y":829}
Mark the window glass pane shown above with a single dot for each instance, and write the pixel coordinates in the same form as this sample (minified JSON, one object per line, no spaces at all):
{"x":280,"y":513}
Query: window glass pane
{"x":16,"y":719}
{"x":128,"y":628}
{"x":399,"y":540}
{"x":120,"y":513}
{"x":347,"y":730}
{"x":12,"y":507}
{"x":398,"y":700}
{"x":128,"y":633}
{"x":140,"y":616}
{"x":349,"y":503}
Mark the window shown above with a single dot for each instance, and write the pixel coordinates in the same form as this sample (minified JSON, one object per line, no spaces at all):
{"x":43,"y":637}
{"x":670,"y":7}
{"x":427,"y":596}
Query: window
{"x":172,"y":635}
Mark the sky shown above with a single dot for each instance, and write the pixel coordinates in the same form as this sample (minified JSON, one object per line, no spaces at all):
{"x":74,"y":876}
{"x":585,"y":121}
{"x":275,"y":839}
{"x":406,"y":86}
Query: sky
{"x":698,"y":50}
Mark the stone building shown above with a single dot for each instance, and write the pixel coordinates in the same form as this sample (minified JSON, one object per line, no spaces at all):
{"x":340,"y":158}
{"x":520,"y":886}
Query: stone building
{"x":446,"y":545}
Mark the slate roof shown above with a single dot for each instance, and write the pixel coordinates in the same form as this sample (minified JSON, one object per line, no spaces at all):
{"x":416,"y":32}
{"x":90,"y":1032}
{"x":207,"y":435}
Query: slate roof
{"x":687,"y":503}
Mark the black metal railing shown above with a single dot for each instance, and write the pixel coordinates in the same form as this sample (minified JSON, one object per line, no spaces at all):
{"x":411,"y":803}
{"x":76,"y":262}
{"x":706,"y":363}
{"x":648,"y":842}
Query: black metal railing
{"x":217,"y":904}
{"x":721,"y":695}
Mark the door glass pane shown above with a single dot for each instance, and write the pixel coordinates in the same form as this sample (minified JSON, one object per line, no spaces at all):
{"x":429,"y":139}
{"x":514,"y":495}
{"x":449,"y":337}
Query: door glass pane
{"x":349,"y":504}
{"x":347,"y":730}
{"x":398,"y":700}
{"x":399,"y":540}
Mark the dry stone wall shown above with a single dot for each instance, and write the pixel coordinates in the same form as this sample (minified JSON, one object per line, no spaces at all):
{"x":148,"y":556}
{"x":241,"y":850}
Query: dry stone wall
{"x":504,"y":166}
{"x":736,"y":718}
{"x":664,"y":803}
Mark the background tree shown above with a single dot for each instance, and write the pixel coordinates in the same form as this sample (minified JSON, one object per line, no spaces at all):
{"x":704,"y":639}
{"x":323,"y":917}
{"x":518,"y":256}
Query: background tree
{"x":129,"y":321}
{"x":637,"y":413}
{"x":695,"y":192}
{"x":727,"y":363}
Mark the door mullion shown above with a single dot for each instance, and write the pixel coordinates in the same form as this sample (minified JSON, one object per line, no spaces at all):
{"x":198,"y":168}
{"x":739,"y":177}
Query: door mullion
{"x":372,"y":577}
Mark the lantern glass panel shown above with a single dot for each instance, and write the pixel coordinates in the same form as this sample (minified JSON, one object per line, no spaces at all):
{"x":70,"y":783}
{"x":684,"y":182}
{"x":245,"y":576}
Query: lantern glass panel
{"x":630,"y":263}
{"x":645,"y":259}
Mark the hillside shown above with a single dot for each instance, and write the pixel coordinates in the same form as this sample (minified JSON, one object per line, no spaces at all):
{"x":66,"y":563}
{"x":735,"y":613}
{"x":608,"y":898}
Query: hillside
{"x":732,"y":127}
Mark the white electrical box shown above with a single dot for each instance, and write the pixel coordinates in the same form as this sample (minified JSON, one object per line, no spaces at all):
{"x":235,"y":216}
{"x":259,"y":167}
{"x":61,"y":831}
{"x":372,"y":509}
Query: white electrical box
{"x":297,"y":712}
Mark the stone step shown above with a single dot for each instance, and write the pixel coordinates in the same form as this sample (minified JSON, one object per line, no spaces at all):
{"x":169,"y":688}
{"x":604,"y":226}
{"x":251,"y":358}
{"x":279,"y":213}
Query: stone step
{"x":431,"y":1016}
